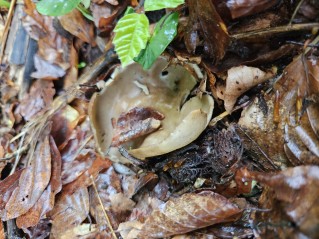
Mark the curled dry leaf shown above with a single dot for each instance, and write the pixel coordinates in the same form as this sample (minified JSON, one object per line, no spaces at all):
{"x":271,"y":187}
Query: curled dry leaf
{"x":297,"y":189}
{"x":75,"y":23}
{"x":46,"y":201}
{"x":205,"y":23}
{"x":239,"y":80}
{"x":136,"y":123}
{"x":69,"y":211}
{"x":38,"y":99}
{"x":33,"y":180}
{"x":104,"y":16}
{"x":164,"y":89}
{"x":188,"y":213}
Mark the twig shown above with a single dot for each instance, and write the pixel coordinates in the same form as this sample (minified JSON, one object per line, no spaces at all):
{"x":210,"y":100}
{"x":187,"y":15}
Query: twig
{"x":104,"y":212}
{"x":6,"y":29}
{"x":17,"y":159}
{"x":275,"y":30}
{"x":295,"y":11}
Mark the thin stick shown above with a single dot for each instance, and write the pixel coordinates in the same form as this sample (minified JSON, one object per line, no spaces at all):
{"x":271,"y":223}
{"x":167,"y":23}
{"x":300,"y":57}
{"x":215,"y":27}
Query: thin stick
{"x":6,"y":29}
{"x":104,"y":212}
{"x":275,"y":30}
{"x":17,"y":159}
{"x":295,"y":12}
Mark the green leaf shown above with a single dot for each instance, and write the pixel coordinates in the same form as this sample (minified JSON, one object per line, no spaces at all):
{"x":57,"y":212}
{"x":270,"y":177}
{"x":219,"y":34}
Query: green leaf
{"x":85,"y":12}
{"x":131,"y":36}
{"x":86,"y":3}
{"x":129,"y":10}
{"x":4,"y":3}
{"x":164,"y":33}
{"x":152,"y":5}
{"x":56,"y":7}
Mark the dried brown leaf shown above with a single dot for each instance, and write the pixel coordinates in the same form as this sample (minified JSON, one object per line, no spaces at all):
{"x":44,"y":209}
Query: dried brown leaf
{"x":69,"y":211}
{"x":84,"y":180}
{"x":297,"y":191}
{"x":240,"y":79}
{"x":204,"y":22}
{"x":64,"y":122}
{"x":37,"y":100}
{"x":135,"y":123}
{"x":299,"y":80}
{"x":104,"y":16}
{"x":33,"y":180}
{"x":46,"y":70}
{"x":107,"y":184}
{"x":240,"y":8}
{"x":75,"y":23}
{"x":2,"y":233}
{"x":7,"y":186}
{"x":46,"y":201}
{"x":53,"y":48}
{"x":189,"y":212}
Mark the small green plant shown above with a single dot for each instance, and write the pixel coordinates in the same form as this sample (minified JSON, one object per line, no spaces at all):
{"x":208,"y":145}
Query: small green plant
{"x":62,"y":7}
{"x":133,"y":41}
{"x":4,"y":3}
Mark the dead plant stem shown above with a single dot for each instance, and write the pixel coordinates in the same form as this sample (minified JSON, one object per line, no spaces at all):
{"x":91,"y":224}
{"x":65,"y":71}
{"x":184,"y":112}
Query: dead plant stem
{"x":6,"y":29}
{"x":275,"y":30}
{"x":104,"y":212}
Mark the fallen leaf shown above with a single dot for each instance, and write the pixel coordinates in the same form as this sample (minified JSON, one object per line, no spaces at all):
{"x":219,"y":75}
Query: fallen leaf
{"x":85,"y":231}
{"x":75,"y":23}
{"x":300,"y":79}
{"x":46,"y":70}
{"x":64,"y":122}
{"x":205,"y":23}
{"x":73,"y":169}
{"x":37,"y":100}
{"x":261,"y":136}
{"x":7,"y":186}
{"x":46,"y":201}
{"x":33,"y":180}
{"x":85,"y":179}
{"x":296,"y":190}
{"x":40,"y":231}
{"x":2,"y":233}
{"x":135,"y":123}
{"x":241,"y":8}
{"x":239,"y":80}
{"x":53,"y":48}
{"x":69,"y":211}
{"x":104,"y":16}
{"x":107,"y":184}
{"x":189,"y":212}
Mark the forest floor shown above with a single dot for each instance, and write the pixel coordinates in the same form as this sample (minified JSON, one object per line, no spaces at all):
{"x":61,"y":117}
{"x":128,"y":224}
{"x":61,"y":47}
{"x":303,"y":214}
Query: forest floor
{"x":216,"y":138}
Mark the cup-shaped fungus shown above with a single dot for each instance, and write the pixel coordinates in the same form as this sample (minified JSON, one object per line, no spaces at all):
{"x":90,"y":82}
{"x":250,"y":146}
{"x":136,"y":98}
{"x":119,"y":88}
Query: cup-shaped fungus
{"x":149,"y":112}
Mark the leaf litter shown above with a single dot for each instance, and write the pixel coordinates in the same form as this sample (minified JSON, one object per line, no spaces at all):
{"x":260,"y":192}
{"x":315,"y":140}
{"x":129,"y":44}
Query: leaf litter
{"x":141,"y":158}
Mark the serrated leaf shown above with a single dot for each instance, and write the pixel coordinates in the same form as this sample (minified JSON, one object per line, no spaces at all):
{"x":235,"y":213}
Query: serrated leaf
{"x":56,"y":8}
{"x":152,"y":5}
{"x":132,"y":34}
{"x":164,"y":33}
